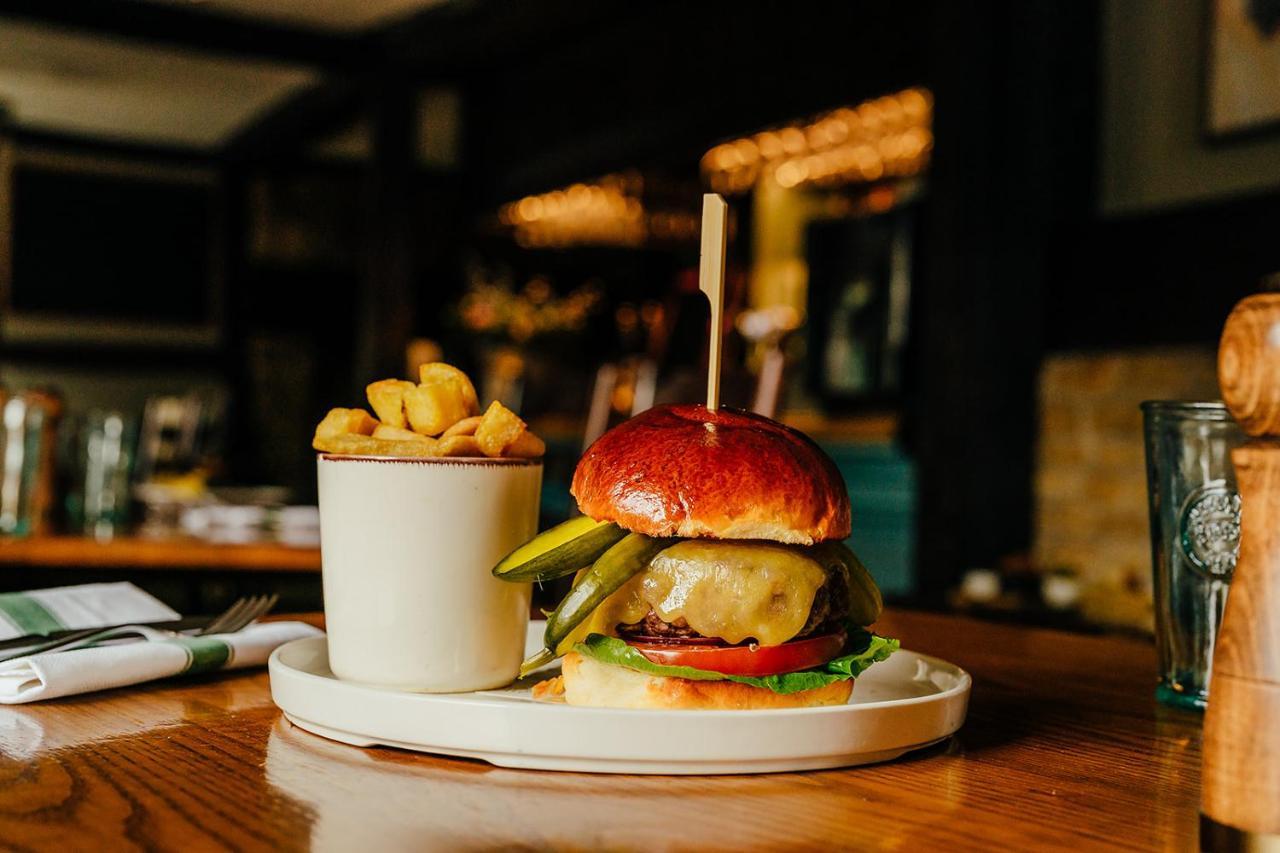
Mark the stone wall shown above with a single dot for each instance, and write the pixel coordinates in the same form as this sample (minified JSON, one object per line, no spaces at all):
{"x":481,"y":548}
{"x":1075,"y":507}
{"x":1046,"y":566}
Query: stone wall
{"x":1091,"y":493}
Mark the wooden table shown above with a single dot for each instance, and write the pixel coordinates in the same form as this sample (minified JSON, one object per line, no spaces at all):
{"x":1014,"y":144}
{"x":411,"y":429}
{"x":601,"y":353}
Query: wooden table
{"x":1064,"y":749}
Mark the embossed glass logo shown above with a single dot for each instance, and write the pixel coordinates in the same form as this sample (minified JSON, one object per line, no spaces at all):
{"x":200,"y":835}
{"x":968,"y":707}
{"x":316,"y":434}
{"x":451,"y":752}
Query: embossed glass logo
{"x":1210,"y":529}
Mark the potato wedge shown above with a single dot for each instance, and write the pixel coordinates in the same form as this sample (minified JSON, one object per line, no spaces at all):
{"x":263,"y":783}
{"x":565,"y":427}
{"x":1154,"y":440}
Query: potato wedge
{"x":458,"y":445}
{"x":432,"y":409}
{"x":437,"y":372}
{"x":345,"y":422}
{"x":386,"y":396}
{"x":498,"y":428}
{"x":397,"y":434}
{"x":360,"y":445}
{"x":526,"y":446}
{"x":466,"y":426}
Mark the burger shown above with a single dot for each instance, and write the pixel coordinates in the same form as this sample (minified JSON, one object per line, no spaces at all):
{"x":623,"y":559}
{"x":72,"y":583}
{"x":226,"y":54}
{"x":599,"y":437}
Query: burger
{"x":710,"y":570}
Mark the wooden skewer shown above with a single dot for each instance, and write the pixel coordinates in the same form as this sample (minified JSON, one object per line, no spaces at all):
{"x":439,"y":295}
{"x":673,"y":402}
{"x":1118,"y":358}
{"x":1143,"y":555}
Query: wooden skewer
{"x":711,"y":282}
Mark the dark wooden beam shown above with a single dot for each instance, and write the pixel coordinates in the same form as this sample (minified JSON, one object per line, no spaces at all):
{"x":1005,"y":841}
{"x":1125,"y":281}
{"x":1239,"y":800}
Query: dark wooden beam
{"x":447,"y":42}
{"x":300,"y":119}
{"x":465,"y":35}
{"x":385,"y":312}
{"x":72,"y":143}
{"x":1013,"y":98}
{"x":191,"y":27}
{"x":578,"y":109}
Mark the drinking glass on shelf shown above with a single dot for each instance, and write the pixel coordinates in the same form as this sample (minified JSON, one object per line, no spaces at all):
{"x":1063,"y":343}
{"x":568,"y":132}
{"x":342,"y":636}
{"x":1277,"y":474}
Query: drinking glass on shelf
{"x":28,"y":427}
{"x":1195,"y":538}
{"x":99,"y":501}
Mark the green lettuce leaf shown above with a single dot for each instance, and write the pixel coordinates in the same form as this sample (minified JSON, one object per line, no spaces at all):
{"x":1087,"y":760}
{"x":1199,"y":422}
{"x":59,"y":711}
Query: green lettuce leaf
{"x":861,"y":651}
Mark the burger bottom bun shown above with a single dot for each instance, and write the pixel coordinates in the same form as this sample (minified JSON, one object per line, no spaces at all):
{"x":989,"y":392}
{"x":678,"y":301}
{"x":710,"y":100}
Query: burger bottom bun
{"x":592,"y":683}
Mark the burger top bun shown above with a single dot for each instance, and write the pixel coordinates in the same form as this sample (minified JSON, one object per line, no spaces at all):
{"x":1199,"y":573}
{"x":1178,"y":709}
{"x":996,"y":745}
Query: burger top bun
{"x":728,"y":474}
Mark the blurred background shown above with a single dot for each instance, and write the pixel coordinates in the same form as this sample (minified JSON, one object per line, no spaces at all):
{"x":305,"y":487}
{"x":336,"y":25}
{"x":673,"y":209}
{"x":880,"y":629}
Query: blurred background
{"x":965,"y":241}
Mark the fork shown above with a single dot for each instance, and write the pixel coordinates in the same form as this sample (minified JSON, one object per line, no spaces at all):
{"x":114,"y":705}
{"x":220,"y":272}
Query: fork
{"x":239,"y":615}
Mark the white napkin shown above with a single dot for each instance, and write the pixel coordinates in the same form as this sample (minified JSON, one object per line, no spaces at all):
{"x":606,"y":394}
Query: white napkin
{"x":92,"y":605}
{"x":53,"y":674}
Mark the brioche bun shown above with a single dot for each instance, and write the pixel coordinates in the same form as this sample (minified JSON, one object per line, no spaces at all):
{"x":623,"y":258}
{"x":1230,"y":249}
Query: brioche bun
{"x":594,"y":684}
{"x":690,"y":472}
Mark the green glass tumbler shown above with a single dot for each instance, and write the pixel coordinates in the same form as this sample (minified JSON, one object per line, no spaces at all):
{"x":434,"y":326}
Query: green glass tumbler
{"x":1195,"y":538}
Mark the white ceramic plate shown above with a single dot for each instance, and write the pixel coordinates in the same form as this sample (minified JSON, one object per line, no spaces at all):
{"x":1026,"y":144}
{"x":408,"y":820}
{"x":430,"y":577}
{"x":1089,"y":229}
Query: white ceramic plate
{"x":907,"y":702}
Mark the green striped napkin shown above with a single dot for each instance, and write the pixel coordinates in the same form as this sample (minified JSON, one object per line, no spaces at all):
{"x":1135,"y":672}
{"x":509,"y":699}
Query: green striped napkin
{"x":54,"y":674}
{"x":94,"y":605}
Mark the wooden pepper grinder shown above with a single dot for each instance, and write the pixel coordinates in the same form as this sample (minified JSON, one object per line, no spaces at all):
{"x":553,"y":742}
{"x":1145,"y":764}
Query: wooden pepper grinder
{"x":1240,"y":784}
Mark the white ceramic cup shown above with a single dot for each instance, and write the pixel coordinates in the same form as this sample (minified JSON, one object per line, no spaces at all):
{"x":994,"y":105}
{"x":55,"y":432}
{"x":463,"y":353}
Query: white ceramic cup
{"x":407,"y":547}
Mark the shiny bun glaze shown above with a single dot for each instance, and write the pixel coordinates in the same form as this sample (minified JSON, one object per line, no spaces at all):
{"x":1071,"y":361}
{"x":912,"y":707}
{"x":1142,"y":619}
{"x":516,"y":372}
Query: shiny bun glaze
{"x":686,"y":471}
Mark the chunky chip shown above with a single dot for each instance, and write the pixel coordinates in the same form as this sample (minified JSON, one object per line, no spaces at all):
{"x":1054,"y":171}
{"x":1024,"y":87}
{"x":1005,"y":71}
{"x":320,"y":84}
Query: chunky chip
{"x":439,"y":373}
{"x":360,"y":445}
{"x":398,"y":434}
{"x":466,"y":426}
{"x":526,"y":446}
{"x":432,"y":409}
{"x":458,"y":445}
{"x":387,"y":398}
{"x":443,"y":405}
{"x":499,"y":428}
{"x":345,"y":422}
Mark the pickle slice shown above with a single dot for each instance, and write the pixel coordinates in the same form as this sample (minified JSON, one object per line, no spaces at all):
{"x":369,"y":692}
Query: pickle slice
{"x":560,"y":551}
{"x":615,"y":567}
{"x":865,"y":601}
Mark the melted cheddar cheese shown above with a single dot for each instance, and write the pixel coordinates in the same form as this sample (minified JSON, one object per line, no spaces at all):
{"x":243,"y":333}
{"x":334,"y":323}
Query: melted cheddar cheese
{"x":731,"y":590}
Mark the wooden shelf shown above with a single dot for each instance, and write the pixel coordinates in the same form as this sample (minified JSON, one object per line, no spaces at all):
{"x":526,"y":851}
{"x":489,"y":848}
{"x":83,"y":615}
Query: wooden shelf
{"x":132,"y":553}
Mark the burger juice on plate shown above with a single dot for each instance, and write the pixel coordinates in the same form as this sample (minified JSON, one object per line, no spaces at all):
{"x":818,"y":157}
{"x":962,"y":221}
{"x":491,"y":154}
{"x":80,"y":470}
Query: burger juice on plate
{"x":710,"y":570}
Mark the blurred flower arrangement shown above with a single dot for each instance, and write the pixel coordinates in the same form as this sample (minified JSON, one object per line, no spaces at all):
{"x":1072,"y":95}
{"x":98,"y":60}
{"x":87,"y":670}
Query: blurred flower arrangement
{"x":496,"y":308}
{"x":527,"y":341}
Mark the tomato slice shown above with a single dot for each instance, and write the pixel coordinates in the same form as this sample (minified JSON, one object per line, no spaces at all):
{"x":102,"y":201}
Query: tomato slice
{"x":746,"y":659}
